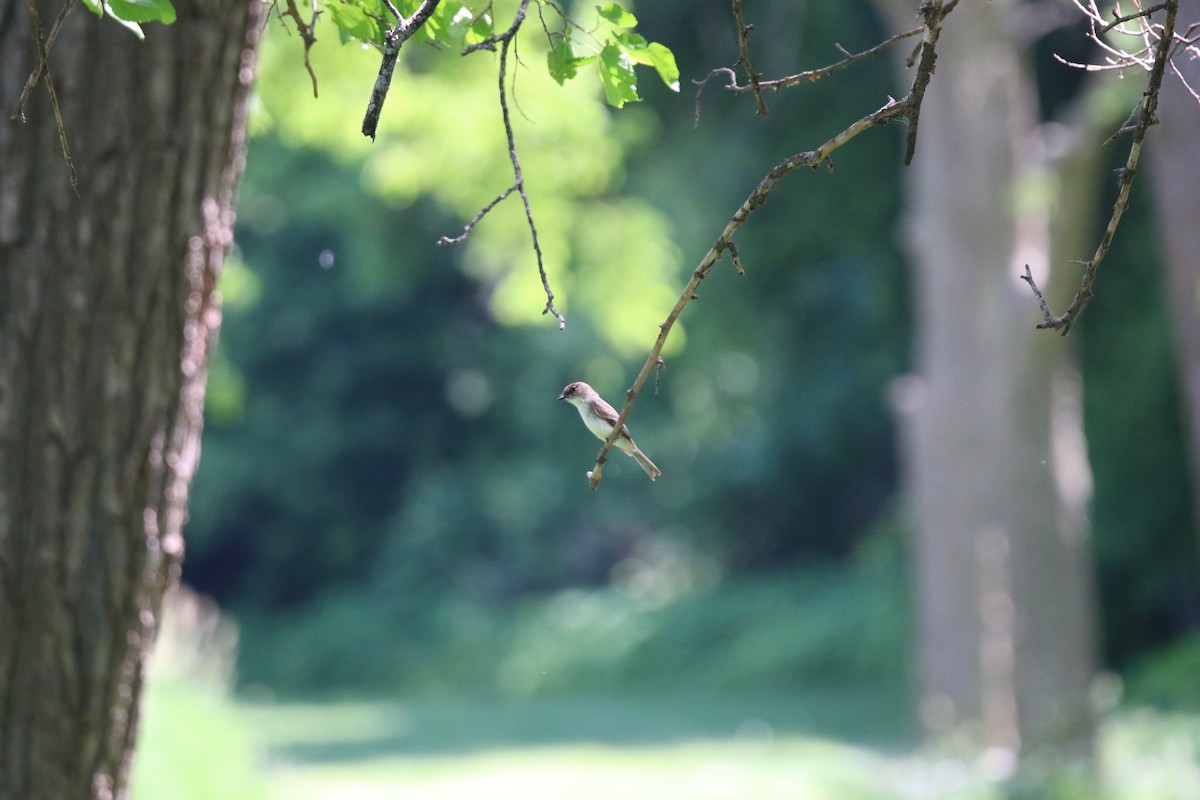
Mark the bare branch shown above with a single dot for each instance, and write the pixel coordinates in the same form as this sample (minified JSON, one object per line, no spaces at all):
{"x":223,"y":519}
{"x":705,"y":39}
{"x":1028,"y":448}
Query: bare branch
{"x":42,"y":66}
{"x":1028,"y":278}
{"x":306,"y":35}
{"x":933,"y":12}
{"x":743,"y":36}
{"x":1145,"y":117}
{"x":813,"y":75}
{"x":43,"y":70}
{"x":893,"y":110}
{"x":520,"y":177}
{"x":1121,"y":20}
{"x":809,"y":75}
{"x":392,"y":41}
{"x":475,"y":219}
{"x":505,"y":40}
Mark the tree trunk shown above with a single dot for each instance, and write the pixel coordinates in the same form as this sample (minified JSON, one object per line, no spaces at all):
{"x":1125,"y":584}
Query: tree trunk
{"x":107,"y":316}
{"x":993,"y":442}
{"x":1174,"y":150}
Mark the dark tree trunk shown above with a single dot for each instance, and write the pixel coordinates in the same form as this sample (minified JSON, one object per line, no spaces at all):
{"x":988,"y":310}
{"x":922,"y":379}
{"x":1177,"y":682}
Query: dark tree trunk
{"x":107,"y":316}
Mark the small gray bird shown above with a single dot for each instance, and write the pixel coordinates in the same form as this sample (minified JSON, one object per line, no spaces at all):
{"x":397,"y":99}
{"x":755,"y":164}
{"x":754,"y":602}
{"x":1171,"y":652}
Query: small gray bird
{"x":600,"y":417}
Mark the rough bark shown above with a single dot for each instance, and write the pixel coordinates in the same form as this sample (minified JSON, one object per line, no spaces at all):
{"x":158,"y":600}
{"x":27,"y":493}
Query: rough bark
{"x":1174,"y":150}
{"x":992,"y":445}
{"x":107,"y":316}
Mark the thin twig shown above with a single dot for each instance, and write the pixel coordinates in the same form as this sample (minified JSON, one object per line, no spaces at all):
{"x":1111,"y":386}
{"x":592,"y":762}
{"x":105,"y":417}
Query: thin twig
{"x":813,"y":75}
{"x":44,"y":64}
{"x":520,"y":177}
{"x":491,"y":42}
{"x":1146,"y":118}
{"x":306,"y":35}
{"x":1121,"y":20}
{"x":392,"y":40}
{"x":506,"y":39}
{"x":933,"y":13}
{"x":36,"y":75}
{"x":743,"y":37}
{"x":475,"y":219}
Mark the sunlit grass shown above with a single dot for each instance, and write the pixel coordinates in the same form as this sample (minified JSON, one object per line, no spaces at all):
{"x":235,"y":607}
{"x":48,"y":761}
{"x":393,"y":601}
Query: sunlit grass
{"x":195,"y":745}
{"x":848,"y":741}
{"x":198,"y":744}
{"x":793,"y":768}
{"x":344,"y":751}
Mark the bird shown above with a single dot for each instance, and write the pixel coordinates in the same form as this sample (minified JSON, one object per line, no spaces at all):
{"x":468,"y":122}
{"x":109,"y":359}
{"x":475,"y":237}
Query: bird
{"x":600,"y":417}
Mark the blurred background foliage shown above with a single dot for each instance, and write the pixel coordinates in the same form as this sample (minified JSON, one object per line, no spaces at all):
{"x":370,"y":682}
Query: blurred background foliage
{"x":391,"y":500}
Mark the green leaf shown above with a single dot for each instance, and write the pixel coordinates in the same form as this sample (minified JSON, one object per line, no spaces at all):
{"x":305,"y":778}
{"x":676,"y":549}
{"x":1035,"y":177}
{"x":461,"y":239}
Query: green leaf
{"x":437,"y":27}
{"x":652,"y":54}
{"x":562,"y":61}
{"x":664,"y":63}
{"x":617,"y":15}
{"x":142,"y":10}
{"x":448,"y":25}
{"x":353,"y":23}
{"x":482,"y":28}
{"x":635,"y":46}
{"x":460,"y":26}
{"x":616,"y":73}
{"x":100,"y":9}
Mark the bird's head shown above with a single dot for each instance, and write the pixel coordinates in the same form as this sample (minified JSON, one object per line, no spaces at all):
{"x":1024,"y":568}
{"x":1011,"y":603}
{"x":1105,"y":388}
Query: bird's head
{"x":574,"y":391}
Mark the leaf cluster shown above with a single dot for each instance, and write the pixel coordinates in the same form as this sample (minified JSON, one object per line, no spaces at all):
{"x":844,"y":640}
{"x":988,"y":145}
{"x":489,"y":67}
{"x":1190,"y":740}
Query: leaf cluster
{"x":452,"y":25}
{"x":132,"y":13}
{"x":616,"y":50}
{"x":609,"y":43}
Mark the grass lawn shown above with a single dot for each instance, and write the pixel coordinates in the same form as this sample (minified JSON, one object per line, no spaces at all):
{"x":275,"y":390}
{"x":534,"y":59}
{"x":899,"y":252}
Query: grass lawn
{"x":672,"y":746}
{"x":791,"y":768}
{"x":626,"y":748}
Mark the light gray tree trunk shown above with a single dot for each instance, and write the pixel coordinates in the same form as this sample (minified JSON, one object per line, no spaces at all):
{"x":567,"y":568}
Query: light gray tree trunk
{"x":107,"y":316}
{"x":991,"y":424}
{"x":1174,"y":151}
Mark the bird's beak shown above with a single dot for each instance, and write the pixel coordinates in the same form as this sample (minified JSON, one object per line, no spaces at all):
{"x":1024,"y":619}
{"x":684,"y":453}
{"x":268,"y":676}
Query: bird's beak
{"x":562,"y":396}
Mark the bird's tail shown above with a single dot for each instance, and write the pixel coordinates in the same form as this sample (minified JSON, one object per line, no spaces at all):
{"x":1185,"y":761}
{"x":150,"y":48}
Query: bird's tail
{"x":645,"y":463}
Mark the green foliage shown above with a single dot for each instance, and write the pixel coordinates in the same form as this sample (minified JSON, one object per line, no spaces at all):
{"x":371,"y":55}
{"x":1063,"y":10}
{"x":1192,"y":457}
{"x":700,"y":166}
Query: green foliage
{"x":355,"y":23}
{"x":570,"y":154}
{"x":385,"y":468}
{"x":617,"y":15}
{"x":1146,"y":543}
{"x":616,"y":74}
{"x":382,"y":430}
{"x":129,"y":13}
{"x":561,"y":60}
{"x":1167,"y":678}
{"x":455,"y":26}
{"x":665,"y":623}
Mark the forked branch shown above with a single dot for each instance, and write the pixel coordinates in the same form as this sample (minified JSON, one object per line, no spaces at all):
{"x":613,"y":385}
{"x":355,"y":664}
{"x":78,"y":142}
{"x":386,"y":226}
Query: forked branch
{"x":392,"y":40}
{"x":1144,"y":117}
{"x":307,"y":34}
{"x":44,"y":45}
{"x":505,"y":41}
{"x":905,"y":109}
